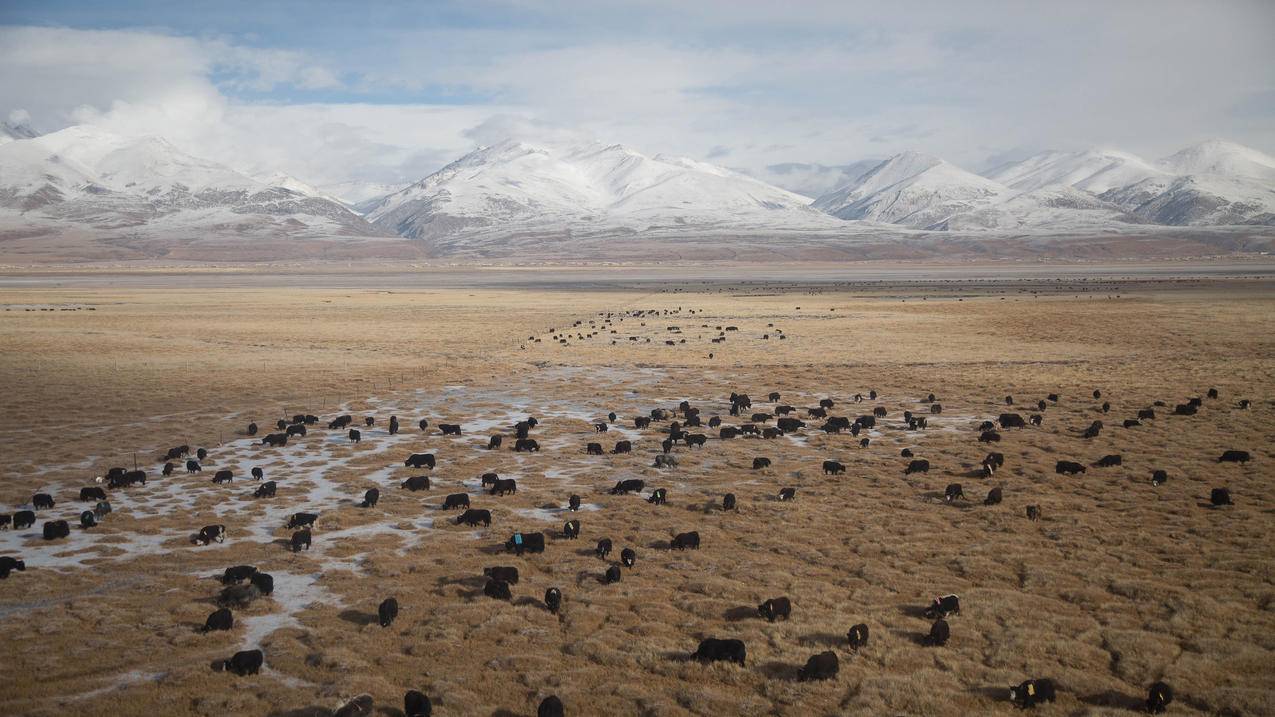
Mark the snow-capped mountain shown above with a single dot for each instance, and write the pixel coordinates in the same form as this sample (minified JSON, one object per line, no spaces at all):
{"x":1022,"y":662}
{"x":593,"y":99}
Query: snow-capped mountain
{"x":1213,"y":183}
{"x":913,"y":190}
{"x":586,"y":187}
{"x":1094,"y":171}
{"x":98,"y":180}
{"x":1223,"y":158}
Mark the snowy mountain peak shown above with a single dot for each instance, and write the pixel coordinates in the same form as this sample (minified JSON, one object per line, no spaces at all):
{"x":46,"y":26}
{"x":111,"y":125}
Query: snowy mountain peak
{"x":1217,"y":156}
{"x":585,"y":186}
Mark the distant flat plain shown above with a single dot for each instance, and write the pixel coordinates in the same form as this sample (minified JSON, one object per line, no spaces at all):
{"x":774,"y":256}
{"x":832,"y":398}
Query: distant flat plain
{"x":1119,"y":585}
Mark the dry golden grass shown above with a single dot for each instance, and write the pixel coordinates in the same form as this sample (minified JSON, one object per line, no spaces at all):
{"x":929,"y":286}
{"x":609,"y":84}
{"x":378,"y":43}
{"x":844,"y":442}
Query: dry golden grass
{"x":1119,"y":585}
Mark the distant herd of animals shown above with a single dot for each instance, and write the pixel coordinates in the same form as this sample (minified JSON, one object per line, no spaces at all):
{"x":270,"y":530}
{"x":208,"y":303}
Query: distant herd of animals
{"x":606,"y":326}
{"x":245,"y":583}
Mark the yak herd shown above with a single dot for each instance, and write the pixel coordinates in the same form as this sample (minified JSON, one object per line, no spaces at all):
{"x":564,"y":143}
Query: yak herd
{"x":243,"y":584}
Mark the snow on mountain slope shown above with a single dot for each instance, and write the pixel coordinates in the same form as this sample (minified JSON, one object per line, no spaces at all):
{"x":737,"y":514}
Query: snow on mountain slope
{"x":87,"y":176}
{"x":589,"y":187}
{"x":1054,"y":207}
{"x":1224,"y":158}
{"x":1199,"y":200}
{"x":914,"y":190}
{"x":1093,"y":171}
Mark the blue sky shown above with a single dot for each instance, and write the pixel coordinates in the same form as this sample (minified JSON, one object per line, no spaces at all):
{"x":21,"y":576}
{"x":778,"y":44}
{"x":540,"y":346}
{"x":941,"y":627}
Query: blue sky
{"x":387,"y":91}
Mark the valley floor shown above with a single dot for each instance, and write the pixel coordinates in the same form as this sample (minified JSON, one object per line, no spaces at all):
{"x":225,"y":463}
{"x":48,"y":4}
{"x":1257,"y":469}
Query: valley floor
{"x":1120,"y":584}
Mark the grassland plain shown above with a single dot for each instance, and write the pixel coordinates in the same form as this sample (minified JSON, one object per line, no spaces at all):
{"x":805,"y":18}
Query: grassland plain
{"x":1120,"y":584}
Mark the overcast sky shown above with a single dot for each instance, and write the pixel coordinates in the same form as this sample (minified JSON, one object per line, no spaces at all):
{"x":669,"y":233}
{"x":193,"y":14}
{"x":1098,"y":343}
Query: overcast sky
{"x":332,"y":91}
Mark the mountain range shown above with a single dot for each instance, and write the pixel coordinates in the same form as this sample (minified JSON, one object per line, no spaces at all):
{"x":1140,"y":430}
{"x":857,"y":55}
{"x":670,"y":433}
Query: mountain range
{"x":514,"y":195}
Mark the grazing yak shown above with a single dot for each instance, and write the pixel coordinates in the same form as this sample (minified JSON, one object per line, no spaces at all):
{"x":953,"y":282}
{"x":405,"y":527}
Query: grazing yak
{"x":277,"y":440}
{"x":208,"y":534}
{"x":265,"y":490}
{"x":989,"y":437}
{"x":857,"y":636}
{"x":920,"y":465}
{"x":416,"y":704}
{"x":1011,"y":420}
{"x":659,"y":496}
{"x":953,"y":491}
{"x":833,"y":468}
{"x":715,"y":650}
{"x":88,"y":519}
{"x":1218,"y":497}
{"x":237,"y":574}
{"x":504,"y":486}
{"x":1159,"y":477}
{"x":1109,"y":461}
{"x":1033,"y":512}
{"x":371,"y":498}
{"x":526,"y":445}
{"x":449,"y":429}
{"x":664,"y":460}
{"x":88,"y":494}
{"x":775,"y":609}
{"x":728,"y":502}
{"x":244,"y":662}
{"x":683,"y":541}
{"x":1146,"y":414}
{"x":823,"y":666}
{"x":497,"y":589}
{"x":8,"y":564}
{"x":631,"y":485}
{"x":628,"y":557}
{"x":301,"y":520}
{"x":790,"y":425}
{"x":622,"y":447}
{"x":993,"y":497}
{"x":943,"y":606}
{"x":939,"y":634}
{"x":603,"y":548}
{"x":612,"y":575}
{"x":787,"y":494}
{"x":223,"y":476}
{"x":1159,"y":697}
{"x":420,"y":460}
{"x":340,"y":422}
{"x":263,"y":582}
{"x":416,"y":483}
{"x":257,"y":473}
{"x":1032,"y":692}
{"x":387,"y":611}
{"x":573,"y":503}
{"x":553,"y":600}
{"x":760,"y":462}
{"x":473,"y":516}
{"x":1068,"y":468}
{"x":220,"y":619}
{"x":300,"y":538}
{"x":1234,"y":457}
{"x":102,"y":509}
{"x":571,"y":529}
{"x":23,"y":519}
{"x":494,"y":442}
{"x":456,"y":500}
{"x":519,"y":543}
{"x":594,"y":449}
{"x":42,"y":501}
